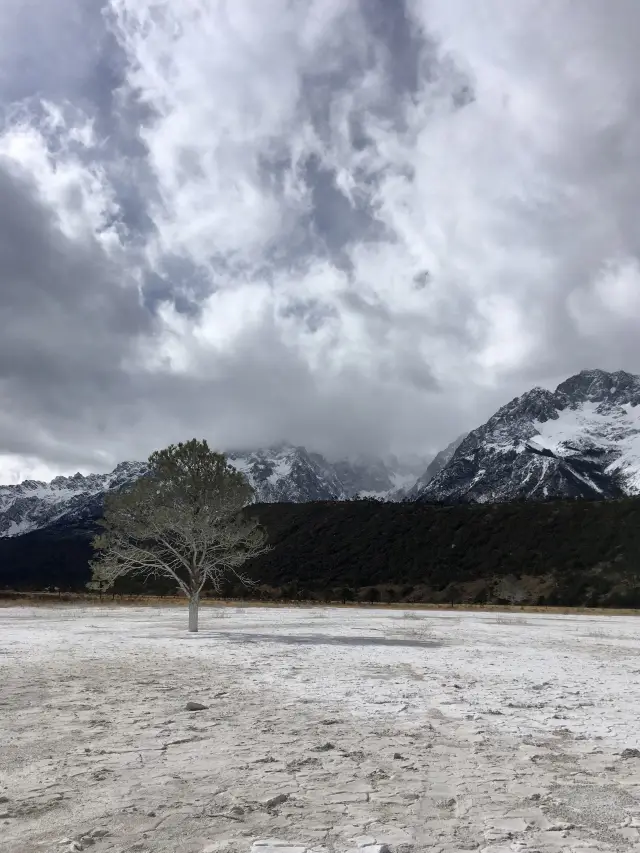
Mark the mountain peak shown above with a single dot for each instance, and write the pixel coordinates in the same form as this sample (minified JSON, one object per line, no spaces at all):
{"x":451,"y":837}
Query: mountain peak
{"x":599,"y":386}
{"x":281,"y":473}
{"x":581,"y":440}
{"x":537,"y":404}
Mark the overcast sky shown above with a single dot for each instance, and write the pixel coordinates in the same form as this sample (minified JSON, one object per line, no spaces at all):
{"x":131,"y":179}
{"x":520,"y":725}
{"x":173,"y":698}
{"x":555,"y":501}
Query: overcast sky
{"x":357,"y":225}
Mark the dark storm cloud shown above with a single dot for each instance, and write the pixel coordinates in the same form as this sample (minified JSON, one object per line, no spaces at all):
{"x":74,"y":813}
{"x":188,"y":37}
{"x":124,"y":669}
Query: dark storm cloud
{"x":67,"y":317}
{"x":406,"y":49}
{"x":178,"y":282}
{"x":352,"y":224}
{"x":65,"y":53}
{"x":335,"y":220}
{"x":72,"y":65}
{"x":387,"y":42}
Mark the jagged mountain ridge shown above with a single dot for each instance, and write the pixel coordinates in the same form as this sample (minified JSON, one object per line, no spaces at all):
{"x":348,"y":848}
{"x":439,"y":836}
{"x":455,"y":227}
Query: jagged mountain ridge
{"x":278,"y":474}
{"x":580,"y":441}
{"x":440,"y":461}
{"x":33,"y":504}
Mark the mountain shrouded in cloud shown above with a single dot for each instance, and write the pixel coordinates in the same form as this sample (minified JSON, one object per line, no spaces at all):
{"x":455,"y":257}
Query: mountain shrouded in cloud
{"x":580,"y":441}
{"x":352,"y":225}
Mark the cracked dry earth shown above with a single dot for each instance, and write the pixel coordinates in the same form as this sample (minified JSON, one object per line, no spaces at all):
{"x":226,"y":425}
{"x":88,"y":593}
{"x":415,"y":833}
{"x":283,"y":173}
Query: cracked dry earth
{"x":328,"y":729}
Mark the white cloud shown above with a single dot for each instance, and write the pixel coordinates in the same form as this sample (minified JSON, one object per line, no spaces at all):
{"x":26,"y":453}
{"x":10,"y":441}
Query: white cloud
{"x":77,"y":192}
{"x":332,"y":249}
{"x":611,"y":302}
{"x":223,"y":81}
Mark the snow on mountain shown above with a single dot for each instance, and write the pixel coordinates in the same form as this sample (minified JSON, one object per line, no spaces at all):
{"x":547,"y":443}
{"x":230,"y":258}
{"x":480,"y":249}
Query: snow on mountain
{"x":581,"y":440}
{"x":439,"y":461}
{"x":289,"y":474}
{"x":385,"y":479}
{"x":33,"y":504}
{"x":283,"y":473}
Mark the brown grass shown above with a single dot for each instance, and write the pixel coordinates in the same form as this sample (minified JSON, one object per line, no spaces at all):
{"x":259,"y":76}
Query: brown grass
{"x":33,"y":599}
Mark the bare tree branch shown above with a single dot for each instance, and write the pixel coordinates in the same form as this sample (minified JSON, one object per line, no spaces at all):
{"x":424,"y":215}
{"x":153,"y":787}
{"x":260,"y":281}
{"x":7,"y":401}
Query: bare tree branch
{"x":182,"y":521}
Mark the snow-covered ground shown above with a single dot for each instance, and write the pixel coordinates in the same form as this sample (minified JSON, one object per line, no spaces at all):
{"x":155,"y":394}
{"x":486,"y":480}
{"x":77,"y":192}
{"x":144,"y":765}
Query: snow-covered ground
{"x":435,"y":731}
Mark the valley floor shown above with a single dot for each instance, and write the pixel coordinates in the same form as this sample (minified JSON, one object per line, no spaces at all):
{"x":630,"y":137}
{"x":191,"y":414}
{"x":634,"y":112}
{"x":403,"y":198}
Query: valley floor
{"x":434,"y":731}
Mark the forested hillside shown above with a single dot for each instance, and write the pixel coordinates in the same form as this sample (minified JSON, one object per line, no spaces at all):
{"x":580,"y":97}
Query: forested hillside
{"x":564,"y":552}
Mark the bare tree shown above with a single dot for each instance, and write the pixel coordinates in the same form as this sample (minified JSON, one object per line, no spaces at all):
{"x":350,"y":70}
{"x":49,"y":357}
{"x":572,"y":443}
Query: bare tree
{"x":182,"y":520}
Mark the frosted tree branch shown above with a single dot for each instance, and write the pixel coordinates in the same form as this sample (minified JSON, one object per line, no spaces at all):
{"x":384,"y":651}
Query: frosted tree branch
{"x":182,"y":521}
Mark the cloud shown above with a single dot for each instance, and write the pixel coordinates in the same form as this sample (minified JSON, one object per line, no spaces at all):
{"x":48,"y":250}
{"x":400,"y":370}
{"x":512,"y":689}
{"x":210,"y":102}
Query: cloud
{"x":352,"y":225}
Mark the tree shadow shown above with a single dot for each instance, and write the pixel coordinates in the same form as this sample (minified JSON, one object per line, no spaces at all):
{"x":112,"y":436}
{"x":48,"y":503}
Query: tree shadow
{"x":321,"y":640}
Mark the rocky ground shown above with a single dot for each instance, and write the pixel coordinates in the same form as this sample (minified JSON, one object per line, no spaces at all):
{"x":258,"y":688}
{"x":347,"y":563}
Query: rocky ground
{"x":327,"y":729}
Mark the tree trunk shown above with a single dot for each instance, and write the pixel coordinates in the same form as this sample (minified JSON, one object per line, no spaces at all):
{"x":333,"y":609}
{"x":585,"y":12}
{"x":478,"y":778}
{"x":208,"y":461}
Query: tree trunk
{"x":193,"y":612}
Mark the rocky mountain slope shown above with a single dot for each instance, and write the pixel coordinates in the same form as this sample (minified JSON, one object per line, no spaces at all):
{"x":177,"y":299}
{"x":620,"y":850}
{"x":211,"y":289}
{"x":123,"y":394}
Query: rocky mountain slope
{"x":32,"y":504}
{"x":278,"y":474}
{"x":440,"y":461}
{"x":580,"y":441}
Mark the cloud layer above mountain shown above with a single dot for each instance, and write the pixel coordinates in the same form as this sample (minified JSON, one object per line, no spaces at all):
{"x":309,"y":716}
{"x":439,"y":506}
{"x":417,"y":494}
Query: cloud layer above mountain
{"x":350,"y":224}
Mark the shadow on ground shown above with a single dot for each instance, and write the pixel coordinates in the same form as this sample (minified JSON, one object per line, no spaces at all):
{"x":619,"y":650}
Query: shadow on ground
{"x":318,"y":639}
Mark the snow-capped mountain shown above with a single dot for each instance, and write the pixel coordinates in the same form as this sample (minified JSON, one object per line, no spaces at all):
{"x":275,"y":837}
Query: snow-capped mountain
{"x":581,"y":440}
{"x":282,"y":473}
{"x":389,"y":479}
{"x":439,"y":461}
{"x":289,"y":474}
{"x":33,"y":504}
{"x":293,"y":474}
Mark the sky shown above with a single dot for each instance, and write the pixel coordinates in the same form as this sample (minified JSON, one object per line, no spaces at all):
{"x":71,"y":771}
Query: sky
{"x":355,"y":225}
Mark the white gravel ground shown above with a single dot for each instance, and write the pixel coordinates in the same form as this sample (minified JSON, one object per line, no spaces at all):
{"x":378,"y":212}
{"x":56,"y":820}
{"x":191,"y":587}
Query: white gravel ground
{"x":325,"y":728}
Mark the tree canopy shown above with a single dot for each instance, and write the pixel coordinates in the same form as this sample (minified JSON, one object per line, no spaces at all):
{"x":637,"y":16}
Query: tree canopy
{"x":182,"y":520}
